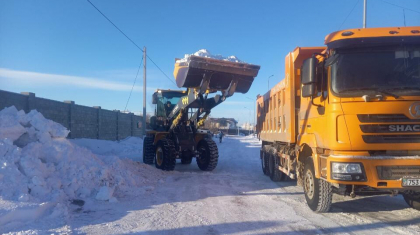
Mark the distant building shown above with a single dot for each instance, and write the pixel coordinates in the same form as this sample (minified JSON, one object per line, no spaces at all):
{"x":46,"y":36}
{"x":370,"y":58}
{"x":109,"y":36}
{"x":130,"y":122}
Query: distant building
{"x":222,"y":123}
{"x":247,"y":126}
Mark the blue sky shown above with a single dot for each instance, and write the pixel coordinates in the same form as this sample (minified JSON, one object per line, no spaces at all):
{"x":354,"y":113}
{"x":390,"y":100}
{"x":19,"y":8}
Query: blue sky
{"x":65,"y":50}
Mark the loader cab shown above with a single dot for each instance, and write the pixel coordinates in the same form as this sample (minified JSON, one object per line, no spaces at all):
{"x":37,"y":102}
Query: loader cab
{"x":164,"y":101}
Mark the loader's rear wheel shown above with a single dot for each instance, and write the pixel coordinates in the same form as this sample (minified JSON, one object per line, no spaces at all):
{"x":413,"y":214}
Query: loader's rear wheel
{"x":412,"y":199}
{"x":264,"y":162}
{"x":208,"y":155}
{"x":318,"y":192}
{"x":275,"y":174}
{"x":148,"y":150}
{"x":165,"y":158}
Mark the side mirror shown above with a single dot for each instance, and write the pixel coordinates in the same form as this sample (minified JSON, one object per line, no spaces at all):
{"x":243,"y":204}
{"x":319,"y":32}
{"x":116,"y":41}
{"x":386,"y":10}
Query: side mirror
{"x":308,"y":77}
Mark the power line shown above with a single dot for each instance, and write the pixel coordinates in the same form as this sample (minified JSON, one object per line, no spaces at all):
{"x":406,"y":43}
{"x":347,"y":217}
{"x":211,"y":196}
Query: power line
{"x":125,"y":109}
{"x":115,"y":26}
{"x":395,"y":5}
{"x":161,"y":70}
{"x":349,"y":14}
{"x":131,"y":41}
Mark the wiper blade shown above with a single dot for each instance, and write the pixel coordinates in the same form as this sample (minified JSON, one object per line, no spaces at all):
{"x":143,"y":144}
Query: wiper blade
{"x":372,"y":89}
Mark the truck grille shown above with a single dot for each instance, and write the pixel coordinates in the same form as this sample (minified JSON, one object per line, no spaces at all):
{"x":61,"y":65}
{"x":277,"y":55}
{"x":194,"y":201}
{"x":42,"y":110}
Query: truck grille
{"x":390,"y":128}
{"x":375,"y":118}
{"x":384,"y":139}
{"x":397,"y":172}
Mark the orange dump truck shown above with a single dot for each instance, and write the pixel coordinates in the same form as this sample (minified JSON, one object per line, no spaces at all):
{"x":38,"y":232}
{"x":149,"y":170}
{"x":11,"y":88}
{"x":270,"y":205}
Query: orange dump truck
{"x":346,"y":117}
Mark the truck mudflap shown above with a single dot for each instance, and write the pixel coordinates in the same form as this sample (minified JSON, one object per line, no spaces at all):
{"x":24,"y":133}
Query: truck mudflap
{"x":219,"y":74}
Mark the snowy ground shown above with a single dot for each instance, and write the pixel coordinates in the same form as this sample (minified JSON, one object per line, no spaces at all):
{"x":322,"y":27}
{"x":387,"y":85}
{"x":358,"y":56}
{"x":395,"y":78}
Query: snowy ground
{"x":236,"y":198}
{"x":54,"y":185}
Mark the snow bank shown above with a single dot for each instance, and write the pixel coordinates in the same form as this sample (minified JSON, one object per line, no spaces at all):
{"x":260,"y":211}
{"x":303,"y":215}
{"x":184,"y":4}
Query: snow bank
{"x":39,"y":165}
{"x":127,"y":148}
{"x":207,"y":54}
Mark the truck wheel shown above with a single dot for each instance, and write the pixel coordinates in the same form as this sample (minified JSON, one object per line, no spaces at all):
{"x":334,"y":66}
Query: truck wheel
{"x":275,"y":174}
{"x":165,"y":155}
{"x":412,"y":199}
{"x":264,"y":163}
{"x":148,"y":150}
{"x":208,"y":155}
{"x":318,"y":193}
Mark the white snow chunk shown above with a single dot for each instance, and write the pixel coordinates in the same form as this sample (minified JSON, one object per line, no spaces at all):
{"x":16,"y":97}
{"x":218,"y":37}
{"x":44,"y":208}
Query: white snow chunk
{"x":205,"y":53}
{"x":105,"y":193}
{"x":10,"y":126}
{"x":113,"y":200}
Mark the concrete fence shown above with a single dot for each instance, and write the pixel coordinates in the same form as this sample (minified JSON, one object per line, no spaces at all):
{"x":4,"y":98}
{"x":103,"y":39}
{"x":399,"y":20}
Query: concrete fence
{"x":82,"y":121}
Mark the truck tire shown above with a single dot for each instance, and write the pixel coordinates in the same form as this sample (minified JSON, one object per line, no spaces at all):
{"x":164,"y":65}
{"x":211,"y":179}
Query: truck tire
{"x":275,"y":174}
{"x":208,"y":155}
{"x":148,"y":150}
{"x":165,"y":158}
{"x":264,"y":162}
{"x":412,"y":199}
{"x":318,"y":192}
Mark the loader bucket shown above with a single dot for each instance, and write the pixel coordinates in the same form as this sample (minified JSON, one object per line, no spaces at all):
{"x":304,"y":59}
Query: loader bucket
{"x":190,"y":74}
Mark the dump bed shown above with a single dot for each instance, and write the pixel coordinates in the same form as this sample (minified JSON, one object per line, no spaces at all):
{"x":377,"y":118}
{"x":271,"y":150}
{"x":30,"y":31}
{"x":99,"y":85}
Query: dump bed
{"x":277,"y":110}
{"x":190,"y":73}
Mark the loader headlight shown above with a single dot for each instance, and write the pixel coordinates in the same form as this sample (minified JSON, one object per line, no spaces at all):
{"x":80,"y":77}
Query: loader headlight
{"x":347,"y":171}
{"x":338,"y":167}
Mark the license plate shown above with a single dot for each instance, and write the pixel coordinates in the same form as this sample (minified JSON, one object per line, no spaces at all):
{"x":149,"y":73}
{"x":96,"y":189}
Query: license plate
{"x":410,"y":182}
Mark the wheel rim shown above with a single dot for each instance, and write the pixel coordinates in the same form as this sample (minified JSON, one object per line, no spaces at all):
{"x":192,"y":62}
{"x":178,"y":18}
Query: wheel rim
{"x":159,"y":156}
{"x":309,"y":184}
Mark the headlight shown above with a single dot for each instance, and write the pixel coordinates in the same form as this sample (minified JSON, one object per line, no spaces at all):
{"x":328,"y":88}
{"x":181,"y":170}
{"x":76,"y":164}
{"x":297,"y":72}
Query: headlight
{"x":347,"y":171}
{"x":346,"y":168}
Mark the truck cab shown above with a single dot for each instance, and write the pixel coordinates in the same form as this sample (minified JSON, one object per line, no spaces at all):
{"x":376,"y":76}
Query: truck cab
{"x":356,"y":129}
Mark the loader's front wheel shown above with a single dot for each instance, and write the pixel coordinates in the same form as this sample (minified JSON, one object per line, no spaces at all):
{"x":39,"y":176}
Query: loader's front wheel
{"x":208,"y":155}
{"x":412,"y":199}
{"x":165,"y":158}
{"x":148,"y":150}
{"x":318,"y":192}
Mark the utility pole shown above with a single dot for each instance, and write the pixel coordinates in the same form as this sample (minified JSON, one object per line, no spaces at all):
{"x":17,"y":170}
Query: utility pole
{"x":364,"y":13}
{"x":144,"y":91}
{"x":238,"y":127}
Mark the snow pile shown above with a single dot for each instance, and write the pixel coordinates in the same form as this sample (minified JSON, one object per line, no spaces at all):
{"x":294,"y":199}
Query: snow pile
{"x":38,"y":163}
{"x":127,"y":148}
{"x":205,"y":53}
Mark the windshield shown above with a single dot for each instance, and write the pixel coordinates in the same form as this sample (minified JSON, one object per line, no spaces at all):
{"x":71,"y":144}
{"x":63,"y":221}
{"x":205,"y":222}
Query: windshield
{"x":385,"y":70}
{"x":166,"y":102}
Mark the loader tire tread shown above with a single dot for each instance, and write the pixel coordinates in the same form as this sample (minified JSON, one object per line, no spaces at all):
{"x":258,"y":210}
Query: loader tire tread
{"x":148,"y":150}
{"x":209,"y":155}
{"x":169,"y":158}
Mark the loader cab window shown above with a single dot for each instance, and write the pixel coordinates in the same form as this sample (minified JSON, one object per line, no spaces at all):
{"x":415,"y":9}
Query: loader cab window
{"x":166,"y":102}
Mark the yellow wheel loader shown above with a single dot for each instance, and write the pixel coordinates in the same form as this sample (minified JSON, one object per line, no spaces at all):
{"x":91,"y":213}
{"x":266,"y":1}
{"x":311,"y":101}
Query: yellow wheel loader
{"x":180,"y":113}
